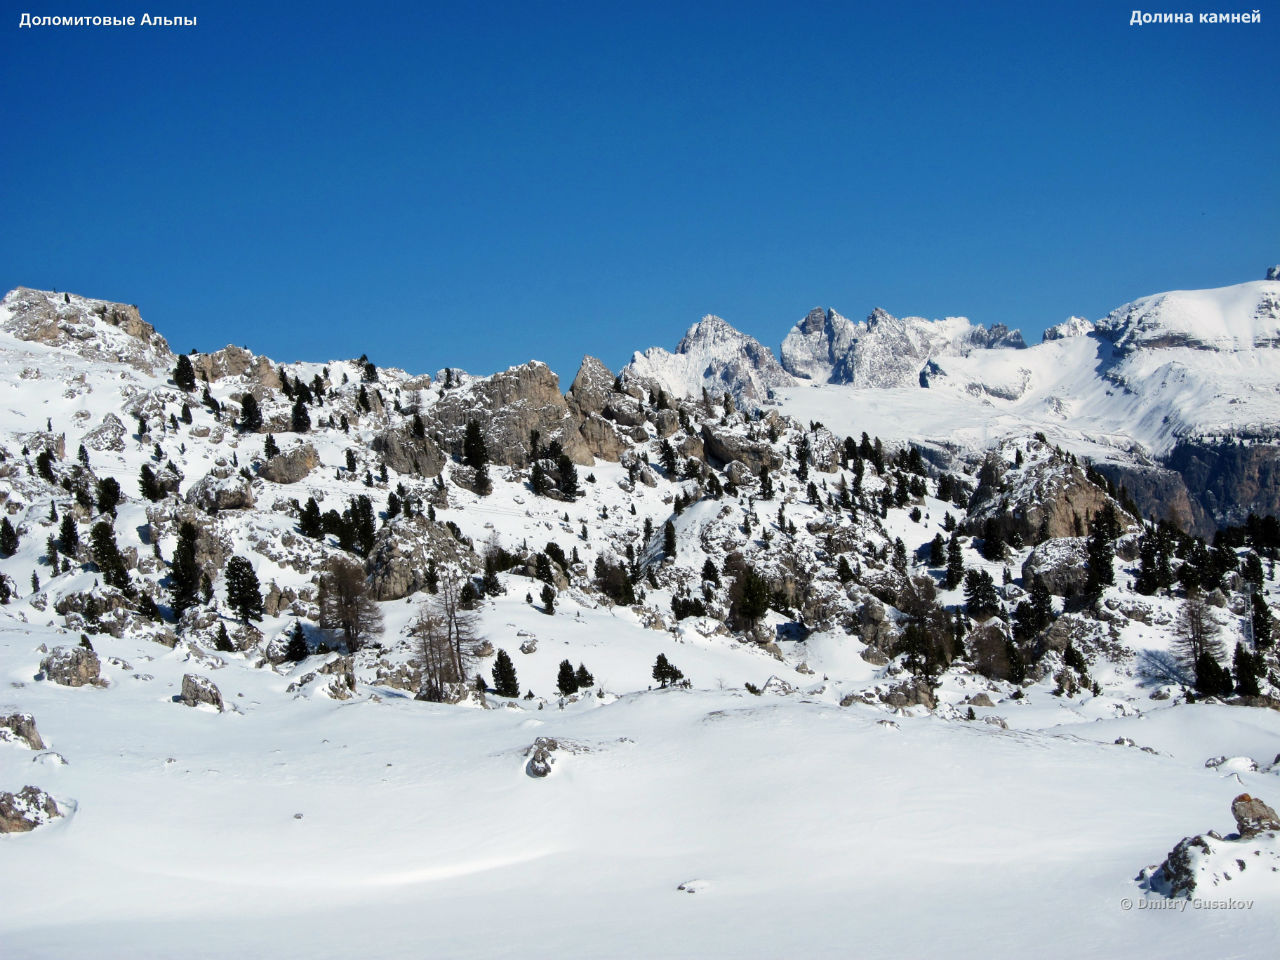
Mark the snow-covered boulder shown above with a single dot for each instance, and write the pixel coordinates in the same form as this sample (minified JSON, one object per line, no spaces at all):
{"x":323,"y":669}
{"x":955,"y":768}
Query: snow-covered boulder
{"x":222,"y":488}
{"x":197,"y":689}
{"x":25,"y":810}
{"x":22,"y":727}
{"x":72,"y":666}
{"x":292,"y":466}
{"x":1061,"y":563}
{"x":1253,"y":816}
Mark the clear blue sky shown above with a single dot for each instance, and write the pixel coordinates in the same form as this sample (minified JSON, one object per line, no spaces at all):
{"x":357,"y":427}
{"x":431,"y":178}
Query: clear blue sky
{"x":476,"y":184}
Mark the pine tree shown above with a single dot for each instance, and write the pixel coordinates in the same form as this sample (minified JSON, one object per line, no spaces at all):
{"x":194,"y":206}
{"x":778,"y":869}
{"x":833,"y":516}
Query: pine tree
{"x":709,"y":572}
{"x":184,"y":571}
{"x":505,"y":683}
{"x":667,"y":457}
{"x":222,"y":642}
{"x":250,"y":415}
{"x":269,"y":447}
{"x":300,"y":419}
{"x":583,"y":677}
{"x":475,"y":454}
{"x":937,"y":551}
{"x":68,"y":535}
{"x":566,"y":679}
{"x":548,"y":599}
{"x":310,"y":523}
{"x":243,"y":592}
{"x":568,"y":476}
{"x":148,"y":485}
{"x":955,"y":563}
{"x":183,"y":374}
{"x":1197,"y":638}
{"x":1247,"y":669}
{"x":669,"y":540}
{"x":107,"y":557}
{"x":1261,"y":621}
{"x":766,"y":484}
{"x":980,"y":597}
{"x":297,"y":648}
{"x":8,"y":538}
{"x":665,"y":672}
{"x":108,"y":495}
{"x":753,"y":597}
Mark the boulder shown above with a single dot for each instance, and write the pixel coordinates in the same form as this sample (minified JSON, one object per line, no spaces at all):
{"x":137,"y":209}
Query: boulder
{"x":1253,"y":816}
{"x":72,"y":667}
{"x":409,"y":455}
{"x":25,"y":810}
{"x":222,"y":488}
{"x":1062,"y":563}
{"x":197,"y":689}
{"x":108,"y":435}
{"x":292,"y":466}
{"x":540,"y":757}
{"x":723,"y":448}
{"x":909,"y":693}
{"x":23,"y":727}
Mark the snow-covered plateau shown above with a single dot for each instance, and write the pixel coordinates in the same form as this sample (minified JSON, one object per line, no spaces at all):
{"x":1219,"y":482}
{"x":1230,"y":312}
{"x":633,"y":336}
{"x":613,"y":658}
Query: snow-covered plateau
{"x":304,"y":659}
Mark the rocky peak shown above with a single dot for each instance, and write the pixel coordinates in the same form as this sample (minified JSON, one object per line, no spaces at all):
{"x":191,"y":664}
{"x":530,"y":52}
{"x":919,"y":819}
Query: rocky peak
{"x":814,"y":345}
{"x":1071,"y":327}
{"x":93,"y":329}
{"x":1273,"y":273}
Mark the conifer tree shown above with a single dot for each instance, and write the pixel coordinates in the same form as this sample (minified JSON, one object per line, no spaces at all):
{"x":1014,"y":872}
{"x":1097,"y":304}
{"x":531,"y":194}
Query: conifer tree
{"x":297,"y":648}
{"x":568,"y":476}
{"x":300,"y":419}
{"x":108,"y":495}
{"x":669,"y":540}
{"x":222,"y":642}
{"x":955,"y":563}
{"x":549,"y":598}
{"x":583,"y":677}
{"x":148,"y":485}
{"x":184,"y":571}
{"x":68,"y":535}
{"x":107,"y":557}
{"x":8,"y":538}
{"x":184,"y":374}
{"x":1247,"y":669}
{"x":566,"y":679}
{"x":269,"y":447}
{"x":243,"y":592}
{"x":505,"y":683}
{"x":250,"y":415}
{"x":665,"y":672}
{"x":937,"y":551}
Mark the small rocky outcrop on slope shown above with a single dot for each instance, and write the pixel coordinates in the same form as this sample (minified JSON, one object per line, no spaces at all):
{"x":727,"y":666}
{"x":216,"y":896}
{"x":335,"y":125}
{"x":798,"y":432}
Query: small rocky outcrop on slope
{"x":94,"y":329}
{"x":222,"y":488}
{"x":72,"y":667}
{"x":21,"y":726}
{"x":292,"y":466}
{"x":1202,"y":865}
{"x":197,"y":689}
{"x":25,"y":810}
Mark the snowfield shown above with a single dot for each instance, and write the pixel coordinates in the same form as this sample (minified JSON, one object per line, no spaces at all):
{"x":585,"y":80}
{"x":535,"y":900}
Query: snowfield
{"x":813,"y":819}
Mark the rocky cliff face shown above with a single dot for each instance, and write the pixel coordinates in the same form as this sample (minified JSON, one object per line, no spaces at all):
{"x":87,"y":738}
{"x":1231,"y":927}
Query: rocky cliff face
{"x":93,"y":329}
{"x":884,"y":350}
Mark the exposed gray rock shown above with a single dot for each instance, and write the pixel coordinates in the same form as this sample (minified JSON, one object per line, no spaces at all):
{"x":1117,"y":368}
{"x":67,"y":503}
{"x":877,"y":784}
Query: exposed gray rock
{"x":72,"y":667}
{"x":409,"y":455}
{"x":592,"y":388}
{"x":292,"y":466}
{"x":25,"y":810}
{"x":222,"y":488}
{"x":197,"y":689}
{"x":910,"y":693}
{"x":540,"y":757}
{"x":724,"y":448}
{"x":1062,"y":564}
{"x":402,"y":551}
{"x":601,"y":438}
{"x":23,"y":727}
{"x":233,"y":361}
{"x":108,"y":435}
{"x":1253,"y":816}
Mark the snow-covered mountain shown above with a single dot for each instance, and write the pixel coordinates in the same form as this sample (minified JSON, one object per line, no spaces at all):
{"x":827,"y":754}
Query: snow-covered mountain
{"x":927,"y":620}
{"x":715,"y":356}
{"x":883,"y":351}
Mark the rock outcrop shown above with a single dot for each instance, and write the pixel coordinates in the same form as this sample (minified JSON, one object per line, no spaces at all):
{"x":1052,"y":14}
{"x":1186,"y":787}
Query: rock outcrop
{"x":292,"y":466}
{"x":408,"y":454}
{"x":22,"y":726}
{"x":222,"y":488}
{"x":25,"y":810}
{"x":72,"y":667}
{"x":197,"y":689}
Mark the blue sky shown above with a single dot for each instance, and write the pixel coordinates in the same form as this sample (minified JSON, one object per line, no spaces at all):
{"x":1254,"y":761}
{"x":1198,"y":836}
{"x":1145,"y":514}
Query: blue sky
{"x":475,"y":185}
